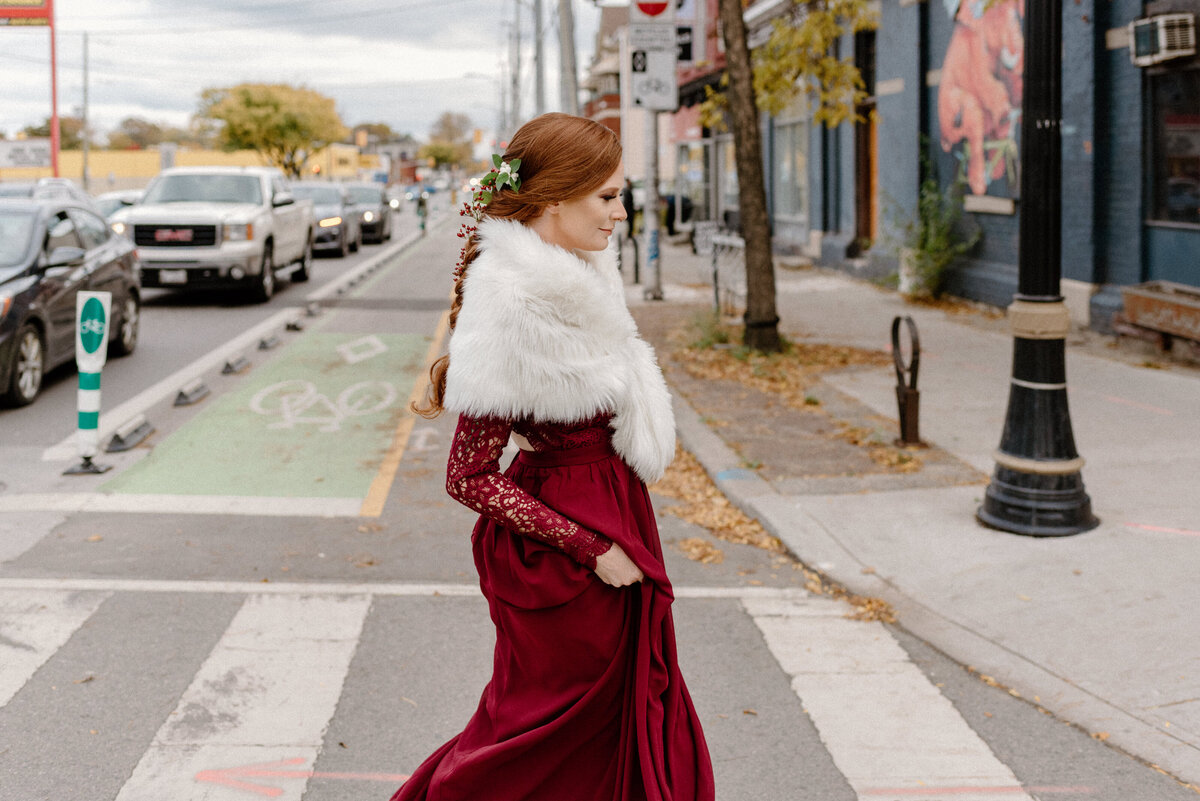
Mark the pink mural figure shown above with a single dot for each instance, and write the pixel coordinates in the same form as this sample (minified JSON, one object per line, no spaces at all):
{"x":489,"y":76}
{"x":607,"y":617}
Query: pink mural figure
{"x":979,"y":96}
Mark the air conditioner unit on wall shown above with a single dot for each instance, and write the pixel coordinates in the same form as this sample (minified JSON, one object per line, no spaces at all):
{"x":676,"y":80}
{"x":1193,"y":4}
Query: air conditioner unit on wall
{"x":1161,"y":38}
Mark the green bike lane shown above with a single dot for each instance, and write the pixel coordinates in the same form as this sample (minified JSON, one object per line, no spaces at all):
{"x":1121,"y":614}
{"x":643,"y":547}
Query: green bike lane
{"x":325,"y":419}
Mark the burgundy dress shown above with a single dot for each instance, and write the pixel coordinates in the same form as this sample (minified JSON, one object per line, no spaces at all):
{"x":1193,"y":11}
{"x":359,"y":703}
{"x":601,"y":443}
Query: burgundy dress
{"x":586,"y":702}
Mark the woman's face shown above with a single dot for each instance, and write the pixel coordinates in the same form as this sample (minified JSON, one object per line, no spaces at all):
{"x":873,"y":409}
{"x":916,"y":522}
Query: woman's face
{"x":586,"y":222}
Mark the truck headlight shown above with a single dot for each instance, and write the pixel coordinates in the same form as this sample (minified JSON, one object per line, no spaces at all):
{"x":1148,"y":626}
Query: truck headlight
{"x":120,"y":228}
{"x":369,"y":217}
{"x":238,"y":233}
{"x":330,"y":222}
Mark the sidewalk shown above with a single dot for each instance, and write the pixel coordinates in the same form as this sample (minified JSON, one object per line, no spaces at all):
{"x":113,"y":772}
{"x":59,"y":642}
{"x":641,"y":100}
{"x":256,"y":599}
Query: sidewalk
{"x":1100,"y":629}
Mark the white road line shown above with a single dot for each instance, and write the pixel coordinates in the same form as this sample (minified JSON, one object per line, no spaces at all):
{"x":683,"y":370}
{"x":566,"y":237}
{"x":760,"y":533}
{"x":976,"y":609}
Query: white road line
{"x":35,"y":624}
{"x":110,"y":420}
{"x":265,"y":694}
{"x":793,"y":597}
{"x":888,"y":729}
{"x":180,"y":504}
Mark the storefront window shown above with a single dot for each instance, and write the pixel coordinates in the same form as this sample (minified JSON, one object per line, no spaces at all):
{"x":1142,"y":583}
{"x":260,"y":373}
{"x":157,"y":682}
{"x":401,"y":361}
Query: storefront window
{"x":728,"y":176}
{"x":692,"y":158}
{"x":1176,"y":147}
{"x":791,"y":176}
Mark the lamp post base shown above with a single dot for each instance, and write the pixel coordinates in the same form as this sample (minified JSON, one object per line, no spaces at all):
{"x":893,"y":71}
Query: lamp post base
{"x":1037,"y":505}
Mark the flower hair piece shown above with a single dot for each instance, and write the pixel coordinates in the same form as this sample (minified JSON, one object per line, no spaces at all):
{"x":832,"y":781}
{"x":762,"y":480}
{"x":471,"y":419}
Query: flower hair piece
{"x":503,"y":173}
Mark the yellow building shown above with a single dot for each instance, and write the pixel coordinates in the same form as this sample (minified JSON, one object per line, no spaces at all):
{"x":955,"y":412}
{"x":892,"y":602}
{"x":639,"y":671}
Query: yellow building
{"x":110,"y":170}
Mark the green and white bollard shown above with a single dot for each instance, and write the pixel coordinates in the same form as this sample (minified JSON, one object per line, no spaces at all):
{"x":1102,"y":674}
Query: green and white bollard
{"x":91,"y":350}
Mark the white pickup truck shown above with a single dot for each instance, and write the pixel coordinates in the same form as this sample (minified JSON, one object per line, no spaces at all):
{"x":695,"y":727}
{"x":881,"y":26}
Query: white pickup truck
{"x":220,"y":227}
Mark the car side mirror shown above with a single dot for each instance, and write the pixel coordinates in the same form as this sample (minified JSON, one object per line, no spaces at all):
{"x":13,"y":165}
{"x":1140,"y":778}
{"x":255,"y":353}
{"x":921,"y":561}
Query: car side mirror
{"x":66,"y":257}
{"x":283,"y":199}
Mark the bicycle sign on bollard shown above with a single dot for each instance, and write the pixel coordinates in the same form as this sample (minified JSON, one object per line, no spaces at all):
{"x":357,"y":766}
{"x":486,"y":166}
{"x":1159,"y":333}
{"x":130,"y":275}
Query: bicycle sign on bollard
{"x":91,"y":351}
{"x":907,"y":396}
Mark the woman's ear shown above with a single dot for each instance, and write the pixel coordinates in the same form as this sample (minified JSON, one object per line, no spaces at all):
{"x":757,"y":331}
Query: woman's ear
{"x":553,"y":208}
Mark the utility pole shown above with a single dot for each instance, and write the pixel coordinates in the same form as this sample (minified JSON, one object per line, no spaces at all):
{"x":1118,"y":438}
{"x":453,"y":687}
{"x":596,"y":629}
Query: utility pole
{"x":569,"y":87}
{"x":1037,"y":488}
{"x":539,"y":62}
{"x":86,"y":133}
{"x":515,"y":91}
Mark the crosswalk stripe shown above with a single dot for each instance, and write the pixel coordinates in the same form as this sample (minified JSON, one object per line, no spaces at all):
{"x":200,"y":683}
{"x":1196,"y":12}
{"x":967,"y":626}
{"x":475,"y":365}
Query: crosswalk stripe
{"x":889,"y":731}
{"x":35,"y":624}
{"x":407,"y":588}
{"x":264,"y":696}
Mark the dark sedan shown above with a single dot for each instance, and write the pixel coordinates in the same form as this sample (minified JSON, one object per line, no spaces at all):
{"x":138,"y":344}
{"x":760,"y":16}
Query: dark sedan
{"x":334,"y":216}
{"x":374,"y":211}
{"x":51,"y":249}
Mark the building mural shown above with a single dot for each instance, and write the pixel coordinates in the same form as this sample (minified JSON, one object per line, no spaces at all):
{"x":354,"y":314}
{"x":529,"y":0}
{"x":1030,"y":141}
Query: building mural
{"x":979,"y":94}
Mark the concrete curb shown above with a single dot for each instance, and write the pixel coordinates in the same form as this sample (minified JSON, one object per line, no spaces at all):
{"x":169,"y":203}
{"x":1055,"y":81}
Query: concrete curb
{"x":816,"y":546}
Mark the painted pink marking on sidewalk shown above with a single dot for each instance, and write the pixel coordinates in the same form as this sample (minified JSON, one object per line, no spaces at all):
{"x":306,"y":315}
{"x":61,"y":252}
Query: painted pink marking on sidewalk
{"x":974,"y":790}
{"x":1145,"y":407}
{"x":1163,"y":529}
{"x":232,"y":777}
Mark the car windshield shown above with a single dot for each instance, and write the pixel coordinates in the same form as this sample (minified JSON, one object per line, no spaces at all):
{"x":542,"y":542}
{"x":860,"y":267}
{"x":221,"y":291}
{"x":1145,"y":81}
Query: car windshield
{"x":365,"y":195}
{"x":205,"y":189}
{"x":320,"y":195}
{"x":16,"y":229}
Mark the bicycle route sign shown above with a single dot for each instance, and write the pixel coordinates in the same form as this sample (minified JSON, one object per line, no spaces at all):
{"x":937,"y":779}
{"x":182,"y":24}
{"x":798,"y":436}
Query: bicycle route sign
{"x":652,"y":49}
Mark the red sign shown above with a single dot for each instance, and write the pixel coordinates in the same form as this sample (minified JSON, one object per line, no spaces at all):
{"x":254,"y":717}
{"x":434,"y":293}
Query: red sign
{"x":173,"y":235}
{"x":25,"y":12}
{"x":651,"y":8}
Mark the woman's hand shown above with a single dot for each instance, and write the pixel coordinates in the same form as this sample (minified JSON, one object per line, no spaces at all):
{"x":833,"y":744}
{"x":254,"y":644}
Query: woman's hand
{"x":614,"y":567}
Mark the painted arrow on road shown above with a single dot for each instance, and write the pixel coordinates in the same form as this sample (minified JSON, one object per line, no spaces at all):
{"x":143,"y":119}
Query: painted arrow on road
{"x":284,"y":769}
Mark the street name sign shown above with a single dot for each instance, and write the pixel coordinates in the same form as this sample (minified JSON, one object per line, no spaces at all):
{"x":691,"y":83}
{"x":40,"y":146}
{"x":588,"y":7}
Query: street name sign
{"x":652,"y":53}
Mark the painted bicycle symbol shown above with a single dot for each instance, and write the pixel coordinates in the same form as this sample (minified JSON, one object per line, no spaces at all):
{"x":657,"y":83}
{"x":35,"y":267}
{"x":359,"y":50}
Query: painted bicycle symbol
{"x":298,"y":402}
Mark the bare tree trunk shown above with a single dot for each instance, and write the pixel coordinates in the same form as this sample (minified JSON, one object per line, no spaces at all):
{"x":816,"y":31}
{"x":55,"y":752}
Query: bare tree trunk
{"x":762,"y":322}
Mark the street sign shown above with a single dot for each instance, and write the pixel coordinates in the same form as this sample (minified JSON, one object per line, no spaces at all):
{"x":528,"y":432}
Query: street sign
{"x":683,"y":44}
{"x":25,"y":153}
{"x":652,"y":11}
{"x":652,"y":52}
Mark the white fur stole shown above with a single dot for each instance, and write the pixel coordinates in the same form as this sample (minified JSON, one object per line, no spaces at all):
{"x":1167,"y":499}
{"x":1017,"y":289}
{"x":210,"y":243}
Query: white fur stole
{"x":544,"y":333}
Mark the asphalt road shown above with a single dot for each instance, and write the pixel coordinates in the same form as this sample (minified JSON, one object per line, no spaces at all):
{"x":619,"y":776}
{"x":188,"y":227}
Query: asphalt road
{"x":272,"y":596}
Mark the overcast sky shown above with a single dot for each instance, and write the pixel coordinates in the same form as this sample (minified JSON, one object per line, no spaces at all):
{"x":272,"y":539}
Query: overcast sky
{"x":401,"y":62}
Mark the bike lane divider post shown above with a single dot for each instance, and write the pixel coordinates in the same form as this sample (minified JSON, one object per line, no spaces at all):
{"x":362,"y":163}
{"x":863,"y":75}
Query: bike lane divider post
{"x":91,"y":352}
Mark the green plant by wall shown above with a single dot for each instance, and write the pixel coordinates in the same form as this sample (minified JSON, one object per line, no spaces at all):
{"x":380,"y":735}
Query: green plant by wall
{"x":932,"y":239}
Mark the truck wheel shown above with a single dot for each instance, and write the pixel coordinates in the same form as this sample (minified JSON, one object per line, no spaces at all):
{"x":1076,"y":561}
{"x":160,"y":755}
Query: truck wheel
{"x":127,"y":332}
{"x":264,"y":287}
{"x":28,"y":367}
{"x":301,"y":273}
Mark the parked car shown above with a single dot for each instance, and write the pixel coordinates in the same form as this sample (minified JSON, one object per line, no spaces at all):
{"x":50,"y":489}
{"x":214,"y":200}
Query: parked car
{"x":374,"y":211}
{"x":51,"y":249}
{"x":334,"y":216}
{"x":220,"y":227}
{"x":47,"y":188}
{"x":110,"y":203}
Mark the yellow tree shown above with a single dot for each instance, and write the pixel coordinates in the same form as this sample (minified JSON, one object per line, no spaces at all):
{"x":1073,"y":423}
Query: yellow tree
{"x":449,"y":141}
{"x":800,"y":56}
{"x":286,"y":124}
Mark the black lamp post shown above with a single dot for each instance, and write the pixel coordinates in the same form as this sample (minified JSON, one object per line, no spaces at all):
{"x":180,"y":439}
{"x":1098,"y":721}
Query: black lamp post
{"x":1037,"y":488}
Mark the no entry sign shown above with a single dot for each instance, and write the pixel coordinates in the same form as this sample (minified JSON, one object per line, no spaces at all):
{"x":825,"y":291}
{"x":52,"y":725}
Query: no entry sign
{"x":652,"y":11}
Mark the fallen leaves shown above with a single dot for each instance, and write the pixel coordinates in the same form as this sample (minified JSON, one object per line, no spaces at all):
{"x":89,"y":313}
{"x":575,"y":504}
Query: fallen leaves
{"x":701,"y":550}
{"x":704,"y":505}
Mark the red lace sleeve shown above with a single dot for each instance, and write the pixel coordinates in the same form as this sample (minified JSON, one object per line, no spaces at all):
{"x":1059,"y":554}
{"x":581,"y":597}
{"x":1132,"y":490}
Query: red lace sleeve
{"x":473,"y":478}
